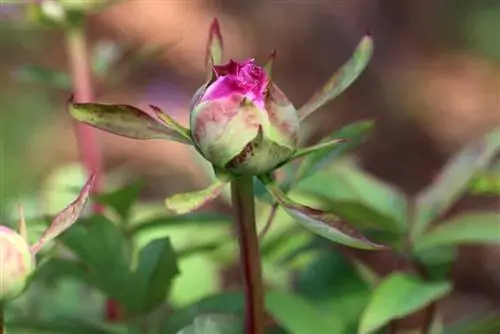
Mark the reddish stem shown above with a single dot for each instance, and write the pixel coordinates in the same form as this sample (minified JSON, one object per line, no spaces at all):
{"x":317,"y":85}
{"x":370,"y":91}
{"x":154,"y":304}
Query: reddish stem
{"x":244,"y":210}
{"x":90,"y":155}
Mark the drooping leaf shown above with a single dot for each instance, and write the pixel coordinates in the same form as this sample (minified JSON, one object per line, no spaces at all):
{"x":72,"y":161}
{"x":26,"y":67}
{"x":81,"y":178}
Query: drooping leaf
{"x":121,"y":200}
{"x":342,"y":79}
{"x":215,"y":48}
{"x":126,"y":121}
{"x":470,"y":228}
{"x":297,"y":315}
{"x":197,"y":218}
{"x":171,"y":123}
{"x":268,"y":68}
{"x":40,"y":75}
{"x":321,"y":147}
{"x":322,"y":223}
{"x":154,"y":274}
{"x":188,"y":202}
{"x":412,"y":295}
{"x":453,"y":180}
{"x":359,"y":198}
{"x":214,"y":324}
{"x":65,"y":218}
{"x":354,"y":135}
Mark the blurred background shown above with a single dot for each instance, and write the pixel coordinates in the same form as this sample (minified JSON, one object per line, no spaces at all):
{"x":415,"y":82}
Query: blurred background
{"x":432,"y":86}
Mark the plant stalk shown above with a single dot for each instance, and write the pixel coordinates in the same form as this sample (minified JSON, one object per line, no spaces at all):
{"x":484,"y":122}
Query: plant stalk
{"x":3,"y":330}
{"x":242,"y":196}
{"x":90,"y":155}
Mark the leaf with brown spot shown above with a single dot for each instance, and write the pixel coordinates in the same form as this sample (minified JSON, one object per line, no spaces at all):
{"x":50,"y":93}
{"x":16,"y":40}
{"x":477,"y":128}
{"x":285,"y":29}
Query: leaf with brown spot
{"x":323,"y":223}
{"x":129,"y":121}
{"x":65,"y":218}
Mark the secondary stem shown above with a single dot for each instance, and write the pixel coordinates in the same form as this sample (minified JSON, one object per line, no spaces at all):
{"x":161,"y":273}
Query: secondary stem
{"x":90,"y":154}
{"x":244,"y":209}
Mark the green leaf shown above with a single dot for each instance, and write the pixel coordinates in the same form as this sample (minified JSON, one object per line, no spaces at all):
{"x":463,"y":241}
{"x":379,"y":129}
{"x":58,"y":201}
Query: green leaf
{"x":268,"y":68}
{"x":128,"y":121}
{"x":226,"y":302}
{"x":154,"y":274}
{"x":104,"y":55}
{"x":342,"y":79}
{"x":321,"y":147}
{"x":214,"y":324}
{"x":486,"y":183}
{"x":105,"y":254}
{"x":191,"y":201}
{"x":440,"y":195}
{"x":194,"y":218}
{"x":40,"y":75}
{"x":62,"y":326}
{"x":354,"y":135}
{"x":65,"y":218}
{"x":412,"y":295}
{"x":215,"y":48}
{"x":478,"y":324}
{"x":322,"y":223}
{"x":359,"y":198}
{"x":471,"y":228}
{"x":297,"y":315}
{"x":122,"y":199}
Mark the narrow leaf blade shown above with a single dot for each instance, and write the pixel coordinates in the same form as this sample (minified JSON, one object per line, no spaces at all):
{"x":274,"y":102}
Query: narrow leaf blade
{"x":342,"y":79}
{"x":454,"y":179}
{"x":268,"y":68}
{"x":215,"y":47}
{"x":412,"y":295}
{"x":471,"y":228}
{"x":124,"y":120}
{"x":322,"y":223}
{"x":325,"y":146}
{"x":188,"y":202}
{"x":65,"y":218}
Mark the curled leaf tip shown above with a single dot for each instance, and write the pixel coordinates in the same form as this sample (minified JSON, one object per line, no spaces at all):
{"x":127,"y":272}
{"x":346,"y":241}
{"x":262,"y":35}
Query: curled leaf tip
{"x":215,"y":30}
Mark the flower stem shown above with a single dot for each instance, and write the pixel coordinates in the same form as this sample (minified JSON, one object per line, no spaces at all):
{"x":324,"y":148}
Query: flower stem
{"x":3,"y":330}
{"x":90,"y":155}
{"x":244,"y":209}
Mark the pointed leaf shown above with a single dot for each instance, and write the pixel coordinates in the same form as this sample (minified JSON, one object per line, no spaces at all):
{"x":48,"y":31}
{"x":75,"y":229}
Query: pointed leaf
{"x":215,"y":47}
{"x":126,"y":121}
{"x":412,"y":295}
{"x":342,"y":79}
{"x":470,"y":228}
{"x":354,"y":134}
{"x":65,"y":218}
{"x":321,"y":147}
{"x":322,"y":223}
{"x":154,"y":274}
{"x":454,"y":179}
{"x":214,"y":324}
{"x":268,"y":68}
{"x":172,"y":123}
{"x":188,"y":202}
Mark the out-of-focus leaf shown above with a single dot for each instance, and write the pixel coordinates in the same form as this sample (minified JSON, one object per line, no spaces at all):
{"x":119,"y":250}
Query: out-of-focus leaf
{"x":412,"y":295}
{"x":483,"y":324}
{"x":105,"y":253}
{"x":105,"y":54}
{"x":195,"y":218}
{"x":487,"y":183}
{"x":227,"y":303}
{"x":154,"y":274}
{"x":127,"y":121}
{"x":471,"y":228}
{"x":65,"y":218}
{"x":453,"y":180}
{"x":187,"y":202}
{"x":322,"y":223}
{"x":122,"y":200}
{"x":214,"y":324}
{"x":40,"y":75}
{"x":359,"y":198}
{"x":342,"y":79}
{"x":297,"y":315}
{"x":354,"y":135}
{"x":215,"y":48}
{"x":438,"y":262}
{"x":270,"y":63}
{"x":321,"y":147}
{"x":63,"y":326}
{"x":336,"y":287}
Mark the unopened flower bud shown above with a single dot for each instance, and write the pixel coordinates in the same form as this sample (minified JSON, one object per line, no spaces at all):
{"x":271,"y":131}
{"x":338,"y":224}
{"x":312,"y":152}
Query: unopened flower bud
{"x":242,"y":122}
{"x":16,"y":263}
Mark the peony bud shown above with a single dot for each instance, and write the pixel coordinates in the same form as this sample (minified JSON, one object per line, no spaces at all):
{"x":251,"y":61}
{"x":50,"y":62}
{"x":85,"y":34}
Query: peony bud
{"x":242,"y":122}
{"x":16,"y":264}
